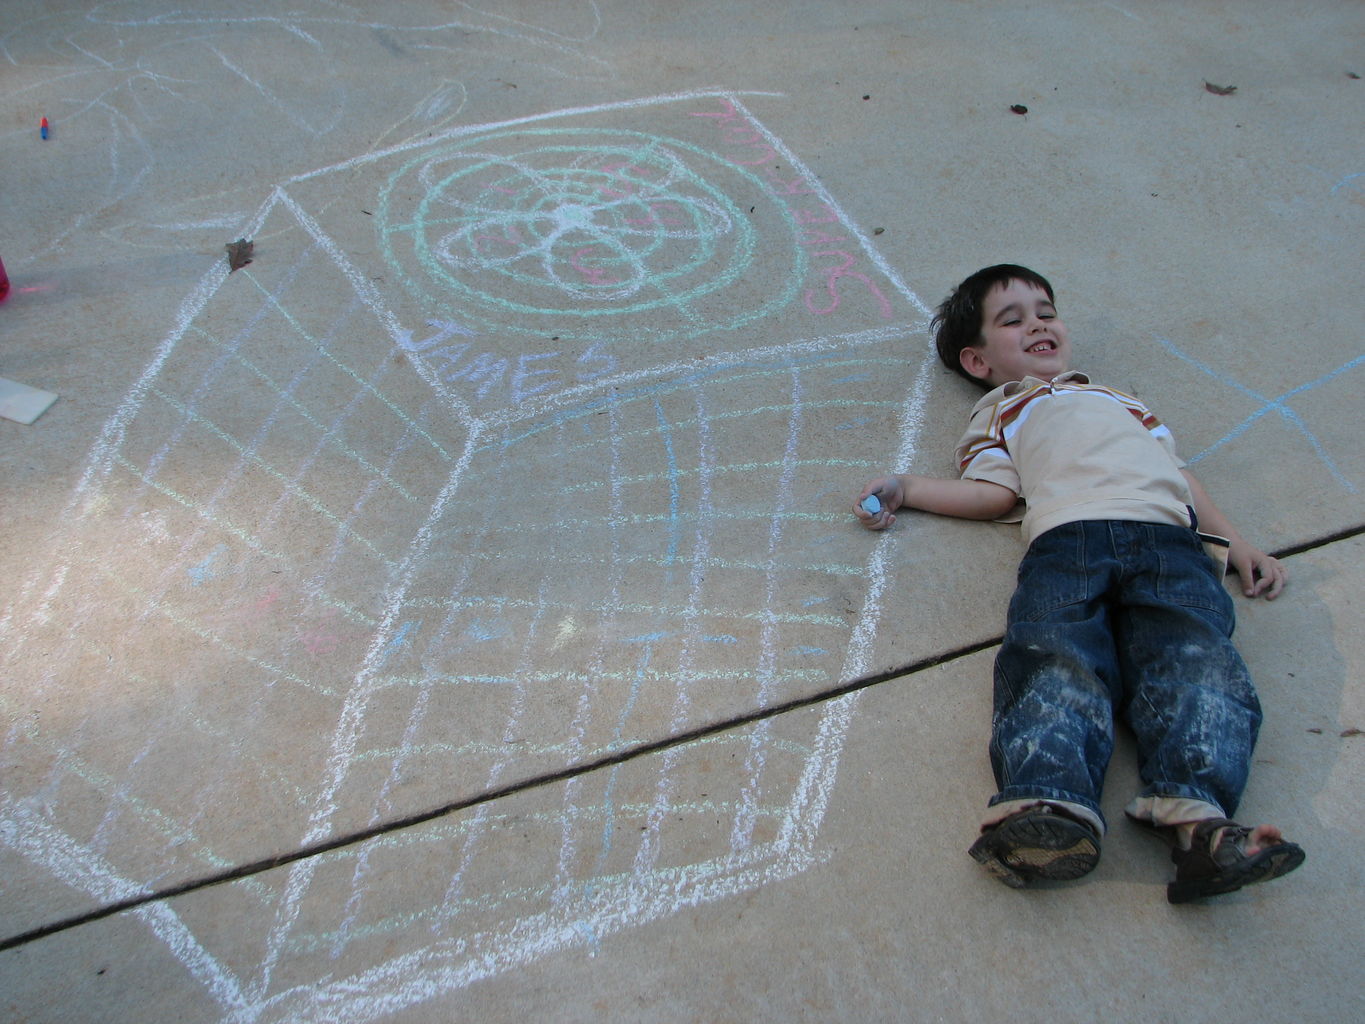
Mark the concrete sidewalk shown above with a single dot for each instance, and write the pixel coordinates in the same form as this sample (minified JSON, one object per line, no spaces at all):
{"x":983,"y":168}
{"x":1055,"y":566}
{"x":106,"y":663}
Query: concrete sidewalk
{"x":455,"y":612}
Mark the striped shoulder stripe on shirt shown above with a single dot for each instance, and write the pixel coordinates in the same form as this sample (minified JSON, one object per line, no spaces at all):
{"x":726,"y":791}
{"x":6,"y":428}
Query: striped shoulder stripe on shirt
{"x":1007,"y":415}
{"x":1144,"y":415}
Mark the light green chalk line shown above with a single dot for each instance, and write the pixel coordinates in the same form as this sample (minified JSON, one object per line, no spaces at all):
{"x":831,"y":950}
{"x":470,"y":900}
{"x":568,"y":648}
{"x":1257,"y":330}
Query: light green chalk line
{"x":68,"y":760}
{"x":701,"y":379}
{"x":364,"y":384}
{"x":447,"y":833}
{"x":194,"y":629}
{"x":290,"y":486}
{"x":664,"y":611}
{"x":303,"y":411}
{"x":250,"y":540}
{"x":220,"y":521}
{"x":559,"y":679}
{"x":713,"y":562}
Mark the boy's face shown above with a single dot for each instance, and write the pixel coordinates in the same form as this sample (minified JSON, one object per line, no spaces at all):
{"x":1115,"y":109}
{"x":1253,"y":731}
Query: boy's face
{"x":1021,"y":336}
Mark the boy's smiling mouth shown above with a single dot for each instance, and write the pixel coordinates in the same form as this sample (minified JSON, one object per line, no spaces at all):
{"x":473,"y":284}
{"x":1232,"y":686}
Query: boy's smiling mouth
{"x":1046,"y":345}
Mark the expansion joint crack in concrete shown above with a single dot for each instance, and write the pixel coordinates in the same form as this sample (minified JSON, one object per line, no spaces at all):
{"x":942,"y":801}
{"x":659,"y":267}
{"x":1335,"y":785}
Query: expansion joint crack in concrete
{"x":620,"y":757}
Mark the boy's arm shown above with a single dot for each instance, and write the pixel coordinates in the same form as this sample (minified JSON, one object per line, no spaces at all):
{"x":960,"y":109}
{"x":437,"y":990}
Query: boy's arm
{"x":963,"y":499}
{"x":1262,"y":575}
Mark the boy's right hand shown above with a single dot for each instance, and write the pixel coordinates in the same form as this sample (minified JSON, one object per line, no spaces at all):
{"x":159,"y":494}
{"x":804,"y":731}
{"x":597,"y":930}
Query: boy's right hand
{"x":890,"y":492}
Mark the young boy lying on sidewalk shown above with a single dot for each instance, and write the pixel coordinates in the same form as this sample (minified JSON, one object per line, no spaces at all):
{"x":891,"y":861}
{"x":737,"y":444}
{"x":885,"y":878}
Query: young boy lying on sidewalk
{"x":1119,"y":608}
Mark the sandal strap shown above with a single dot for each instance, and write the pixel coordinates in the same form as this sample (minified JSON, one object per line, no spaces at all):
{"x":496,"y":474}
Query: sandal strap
{"x":1205,"y":831}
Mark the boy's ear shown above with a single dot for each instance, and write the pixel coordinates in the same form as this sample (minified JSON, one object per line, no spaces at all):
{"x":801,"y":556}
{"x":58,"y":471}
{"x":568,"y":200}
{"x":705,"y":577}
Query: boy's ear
{"x":973,"y":360}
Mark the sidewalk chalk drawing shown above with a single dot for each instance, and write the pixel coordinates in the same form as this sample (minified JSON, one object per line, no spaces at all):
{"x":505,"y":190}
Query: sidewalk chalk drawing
{"x":1278,"y":404}
{"x":529,"y":486}
{"x":121,"y":70}
{"x":561,"y":226}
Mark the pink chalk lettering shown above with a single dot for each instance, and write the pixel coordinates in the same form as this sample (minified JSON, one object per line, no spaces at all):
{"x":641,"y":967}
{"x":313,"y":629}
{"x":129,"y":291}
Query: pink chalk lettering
{"x":748,"y":137}
{"x":814,"y":236}
{"x":740,"y":135}
{"x":766,"y":154}
{"x":738,"y":131}
{"x":811,"y":217}
{"x":727,"y":114}
{"x":795,"y":187}
{"x":836,"y":273}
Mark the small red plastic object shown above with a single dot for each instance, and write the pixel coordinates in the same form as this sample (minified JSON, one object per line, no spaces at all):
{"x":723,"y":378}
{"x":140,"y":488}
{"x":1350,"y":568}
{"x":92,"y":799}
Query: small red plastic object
{"x":4,"y":282}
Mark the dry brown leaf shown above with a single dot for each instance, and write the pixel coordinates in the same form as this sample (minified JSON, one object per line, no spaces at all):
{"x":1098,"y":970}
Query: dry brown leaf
{"x":239,"y":254}
{"x":1220,"y":90}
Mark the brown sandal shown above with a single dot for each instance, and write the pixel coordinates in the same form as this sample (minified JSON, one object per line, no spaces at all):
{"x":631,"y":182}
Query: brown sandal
{"x":1217,"y":862}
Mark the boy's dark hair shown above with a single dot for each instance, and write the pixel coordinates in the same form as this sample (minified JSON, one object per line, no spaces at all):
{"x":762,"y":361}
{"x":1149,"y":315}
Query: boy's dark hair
{"x":957,"y":324}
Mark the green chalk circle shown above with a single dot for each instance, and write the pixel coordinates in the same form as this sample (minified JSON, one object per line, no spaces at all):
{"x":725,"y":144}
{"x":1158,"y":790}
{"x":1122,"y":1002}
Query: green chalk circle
{"x":586,"y":224}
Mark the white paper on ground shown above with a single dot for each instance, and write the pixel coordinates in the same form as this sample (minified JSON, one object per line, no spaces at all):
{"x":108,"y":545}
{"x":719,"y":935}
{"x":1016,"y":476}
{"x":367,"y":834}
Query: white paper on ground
{"x":21,"y":403}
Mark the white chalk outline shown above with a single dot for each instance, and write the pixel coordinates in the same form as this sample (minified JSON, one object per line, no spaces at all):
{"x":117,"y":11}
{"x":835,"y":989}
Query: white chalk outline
{"x":581,"y":918}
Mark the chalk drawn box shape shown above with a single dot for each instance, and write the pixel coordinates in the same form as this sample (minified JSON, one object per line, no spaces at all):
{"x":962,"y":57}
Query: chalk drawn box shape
{"x":815,"y":303}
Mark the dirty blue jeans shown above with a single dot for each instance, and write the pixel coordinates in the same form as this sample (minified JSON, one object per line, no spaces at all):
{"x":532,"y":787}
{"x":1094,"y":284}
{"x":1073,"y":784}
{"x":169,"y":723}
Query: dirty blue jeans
{"x":1113,"y":618}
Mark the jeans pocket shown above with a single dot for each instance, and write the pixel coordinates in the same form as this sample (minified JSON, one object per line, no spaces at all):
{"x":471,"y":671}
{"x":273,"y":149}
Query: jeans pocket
{"x":1053,"y":574}
{"x":1187,"y":577}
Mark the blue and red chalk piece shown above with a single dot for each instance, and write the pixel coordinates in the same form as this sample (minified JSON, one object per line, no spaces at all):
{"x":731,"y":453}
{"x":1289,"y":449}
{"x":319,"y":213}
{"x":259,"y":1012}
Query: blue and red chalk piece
{"x":42,"y":128}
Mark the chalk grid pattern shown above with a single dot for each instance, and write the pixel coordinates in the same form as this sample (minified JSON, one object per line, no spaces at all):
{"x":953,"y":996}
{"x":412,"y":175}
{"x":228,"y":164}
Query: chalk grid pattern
{"x":616,"y":550}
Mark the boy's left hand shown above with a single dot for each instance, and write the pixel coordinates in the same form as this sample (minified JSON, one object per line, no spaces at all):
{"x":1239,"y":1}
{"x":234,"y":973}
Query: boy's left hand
{"x":1262,"y":575}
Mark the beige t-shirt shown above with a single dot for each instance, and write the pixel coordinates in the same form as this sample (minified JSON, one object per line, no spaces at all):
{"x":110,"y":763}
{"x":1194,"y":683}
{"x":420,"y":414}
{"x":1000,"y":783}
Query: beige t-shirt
{"x":1073,"y":450}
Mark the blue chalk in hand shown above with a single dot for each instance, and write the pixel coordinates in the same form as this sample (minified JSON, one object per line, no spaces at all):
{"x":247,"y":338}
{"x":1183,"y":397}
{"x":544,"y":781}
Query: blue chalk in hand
{"x":872,"y":505}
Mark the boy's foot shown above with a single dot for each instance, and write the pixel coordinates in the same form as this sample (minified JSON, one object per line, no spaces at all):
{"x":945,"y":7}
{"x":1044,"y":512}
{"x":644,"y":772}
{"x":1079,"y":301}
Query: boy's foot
{"x":1038,"y":843}
{"x":1224,"y":856}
